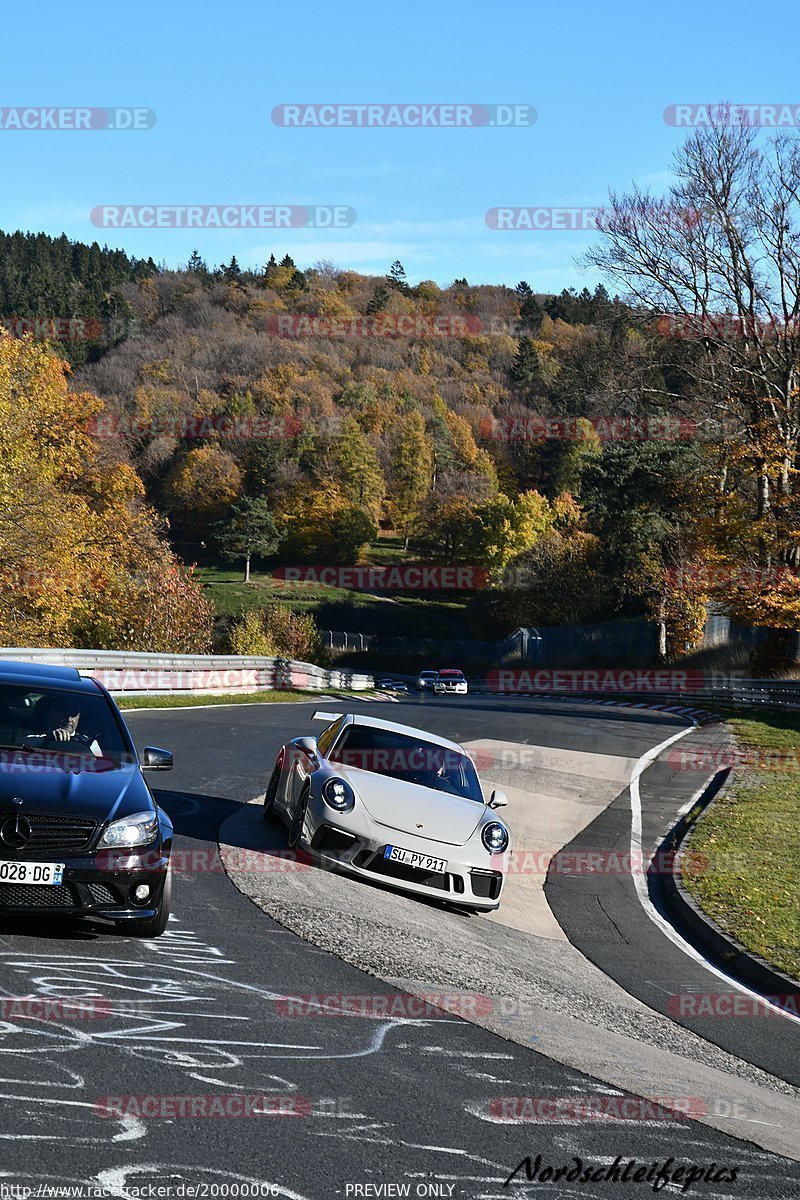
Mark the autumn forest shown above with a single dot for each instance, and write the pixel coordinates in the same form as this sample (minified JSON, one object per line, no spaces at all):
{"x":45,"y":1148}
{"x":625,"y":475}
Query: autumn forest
{"x":630,"y":449}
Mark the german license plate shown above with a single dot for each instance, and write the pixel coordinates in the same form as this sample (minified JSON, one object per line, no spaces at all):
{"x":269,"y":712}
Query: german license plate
{"x":423,"y":862}
{"x":29,"y":872}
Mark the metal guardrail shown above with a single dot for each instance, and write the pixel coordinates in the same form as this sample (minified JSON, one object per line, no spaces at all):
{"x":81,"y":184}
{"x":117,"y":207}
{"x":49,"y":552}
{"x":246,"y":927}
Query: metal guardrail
{"x":757,"y":692}
{"x":140,"y":674}
{"x":776,"y":693}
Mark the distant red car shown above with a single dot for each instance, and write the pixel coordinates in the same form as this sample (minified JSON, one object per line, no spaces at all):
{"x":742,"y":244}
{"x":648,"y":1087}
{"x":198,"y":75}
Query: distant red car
{"x":451,"y":682}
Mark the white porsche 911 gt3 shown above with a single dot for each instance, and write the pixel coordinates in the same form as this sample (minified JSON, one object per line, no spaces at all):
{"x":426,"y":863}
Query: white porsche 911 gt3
{"x":393,"y":804}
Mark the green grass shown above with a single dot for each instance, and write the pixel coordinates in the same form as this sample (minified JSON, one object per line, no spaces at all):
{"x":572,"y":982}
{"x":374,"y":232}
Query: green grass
{"x":386,"y":550}
{"x":751,"y":883}
{"x":230,"y":595}
{"x":192,"y":700}
{"x":337,"y":608}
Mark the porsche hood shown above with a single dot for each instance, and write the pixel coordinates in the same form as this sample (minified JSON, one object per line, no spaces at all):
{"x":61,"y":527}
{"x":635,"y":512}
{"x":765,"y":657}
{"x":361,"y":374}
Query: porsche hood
{"x":411,"y":808}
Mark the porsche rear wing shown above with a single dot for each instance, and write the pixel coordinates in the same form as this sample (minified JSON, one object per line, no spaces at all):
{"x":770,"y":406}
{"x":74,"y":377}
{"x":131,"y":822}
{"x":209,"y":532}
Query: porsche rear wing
{"x":326,"y":716}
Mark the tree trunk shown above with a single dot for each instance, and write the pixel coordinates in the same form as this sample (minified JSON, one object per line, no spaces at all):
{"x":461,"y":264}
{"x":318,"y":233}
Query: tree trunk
{"x":662,"y":629}
{"x":763,"y":492}
{"x":762,"y":508}
{"x":247,"y":569}
{"x":719,"y":498}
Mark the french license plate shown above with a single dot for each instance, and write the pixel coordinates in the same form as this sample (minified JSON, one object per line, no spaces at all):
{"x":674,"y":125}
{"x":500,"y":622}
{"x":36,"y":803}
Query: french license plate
{"x":423,"y":862}
{"x":29,"y":872}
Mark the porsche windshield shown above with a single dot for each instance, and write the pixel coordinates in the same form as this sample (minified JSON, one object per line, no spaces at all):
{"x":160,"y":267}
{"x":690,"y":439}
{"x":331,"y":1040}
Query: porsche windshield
{"x":58,"y":723}
{"x":401,"y":756}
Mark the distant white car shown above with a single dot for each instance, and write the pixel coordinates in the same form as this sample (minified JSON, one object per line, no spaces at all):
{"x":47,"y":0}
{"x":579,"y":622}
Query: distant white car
{"x":395,"y":805}
{"x":426,"y":680}
{"x":451,"y":682}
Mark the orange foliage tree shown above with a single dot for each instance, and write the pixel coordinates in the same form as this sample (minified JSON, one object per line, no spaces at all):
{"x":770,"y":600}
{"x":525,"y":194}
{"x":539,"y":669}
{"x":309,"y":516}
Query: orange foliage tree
{"x":76,"y":539}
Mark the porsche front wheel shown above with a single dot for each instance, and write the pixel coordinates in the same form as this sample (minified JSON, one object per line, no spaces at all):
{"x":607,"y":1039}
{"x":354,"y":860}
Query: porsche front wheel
{"x":272,"y":792}
{"x":298,"y":819}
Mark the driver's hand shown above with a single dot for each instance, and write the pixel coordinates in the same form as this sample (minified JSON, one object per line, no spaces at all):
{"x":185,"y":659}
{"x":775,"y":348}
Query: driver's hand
{"x":61,"y":735}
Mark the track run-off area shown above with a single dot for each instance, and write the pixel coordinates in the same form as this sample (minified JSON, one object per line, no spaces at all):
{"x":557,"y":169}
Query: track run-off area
{"x":303,"y":1000}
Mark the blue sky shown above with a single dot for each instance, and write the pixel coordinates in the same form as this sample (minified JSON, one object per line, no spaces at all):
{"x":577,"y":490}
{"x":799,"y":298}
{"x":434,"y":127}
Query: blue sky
{"x":599,"y":76}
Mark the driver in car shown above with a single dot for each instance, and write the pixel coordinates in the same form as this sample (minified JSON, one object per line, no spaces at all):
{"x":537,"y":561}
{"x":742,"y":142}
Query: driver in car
{"x":61,"y":725}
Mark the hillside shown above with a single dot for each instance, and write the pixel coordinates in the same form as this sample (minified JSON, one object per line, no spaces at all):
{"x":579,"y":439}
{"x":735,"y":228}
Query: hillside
{"x":66,"y":291}
{"x":553,"y":445}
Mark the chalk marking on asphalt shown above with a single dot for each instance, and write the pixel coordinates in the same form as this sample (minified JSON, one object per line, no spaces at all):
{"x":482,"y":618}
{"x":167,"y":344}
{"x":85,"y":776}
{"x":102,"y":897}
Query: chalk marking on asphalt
{"x":132,"y":1128}
{"x":463,"y":1053}
{"x":640,"y":881}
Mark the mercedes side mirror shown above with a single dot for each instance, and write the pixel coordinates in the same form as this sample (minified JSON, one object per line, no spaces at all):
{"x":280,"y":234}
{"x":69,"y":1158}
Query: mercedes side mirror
{"x":154,"y":759}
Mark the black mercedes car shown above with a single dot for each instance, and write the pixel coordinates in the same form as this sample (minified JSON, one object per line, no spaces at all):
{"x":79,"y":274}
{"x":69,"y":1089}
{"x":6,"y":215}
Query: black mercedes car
{"x":80,"y":831}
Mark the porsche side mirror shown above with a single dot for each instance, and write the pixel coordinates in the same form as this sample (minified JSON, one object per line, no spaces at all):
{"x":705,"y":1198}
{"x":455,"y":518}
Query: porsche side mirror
{"x":308,"y":745}
{"x":154,"y":759}
{"x":498,"y":799}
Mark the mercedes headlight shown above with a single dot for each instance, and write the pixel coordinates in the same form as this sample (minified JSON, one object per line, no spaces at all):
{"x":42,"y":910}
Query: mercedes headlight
{"x":137,"y":830}
{"x":495,"y":837}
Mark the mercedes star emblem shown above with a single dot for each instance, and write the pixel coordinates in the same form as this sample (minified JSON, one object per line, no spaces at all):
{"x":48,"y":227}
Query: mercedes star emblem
{"x":16,"y":832}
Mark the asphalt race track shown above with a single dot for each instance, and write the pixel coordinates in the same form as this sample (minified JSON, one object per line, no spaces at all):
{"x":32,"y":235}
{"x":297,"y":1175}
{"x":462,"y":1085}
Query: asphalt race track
{"x":431,"y":1105}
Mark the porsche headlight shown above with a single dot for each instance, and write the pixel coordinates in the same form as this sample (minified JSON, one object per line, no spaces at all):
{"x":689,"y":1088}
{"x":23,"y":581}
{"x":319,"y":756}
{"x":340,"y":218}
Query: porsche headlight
{"x":137,"y":830}
{"x":338,"y":794}
{"x":495,"y":837}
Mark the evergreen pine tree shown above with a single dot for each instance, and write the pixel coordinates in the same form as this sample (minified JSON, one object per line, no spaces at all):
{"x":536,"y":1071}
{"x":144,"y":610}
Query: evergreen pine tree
{"x":397,"y":276}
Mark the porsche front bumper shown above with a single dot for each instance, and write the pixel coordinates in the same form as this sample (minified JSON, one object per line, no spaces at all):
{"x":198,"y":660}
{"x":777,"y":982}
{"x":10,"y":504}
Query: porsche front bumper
{"x":469,"y":880}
